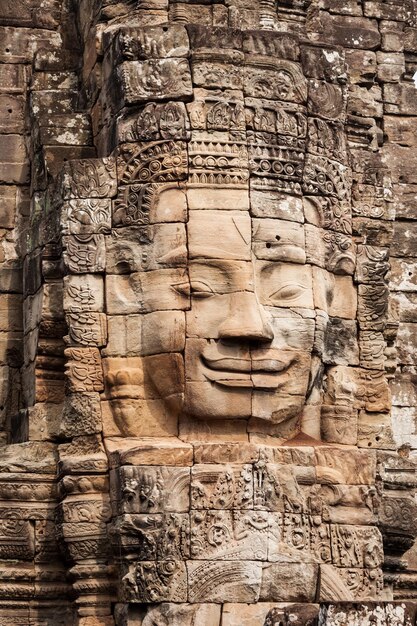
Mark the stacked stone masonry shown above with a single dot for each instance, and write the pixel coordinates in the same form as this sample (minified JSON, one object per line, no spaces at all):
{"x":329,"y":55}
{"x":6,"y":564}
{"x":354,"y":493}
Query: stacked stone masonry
{"x":208,"y":284}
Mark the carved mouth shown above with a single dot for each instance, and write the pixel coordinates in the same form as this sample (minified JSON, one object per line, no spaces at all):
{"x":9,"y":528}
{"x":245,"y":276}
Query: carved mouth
{"x":261,"y":373}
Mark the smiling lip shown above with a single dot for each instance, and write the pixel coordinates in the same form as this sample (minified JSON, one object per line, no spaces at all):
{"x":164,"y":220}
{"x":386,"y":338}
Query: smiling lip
{"x":264,"y":372}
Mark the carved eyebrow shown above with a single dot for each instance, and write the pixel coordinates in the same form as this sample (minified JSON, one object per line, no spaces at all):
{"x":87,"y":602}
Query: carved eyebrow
{"x":175,"y":255}
{"x":267,"y":265}
{"x":222,"y":264}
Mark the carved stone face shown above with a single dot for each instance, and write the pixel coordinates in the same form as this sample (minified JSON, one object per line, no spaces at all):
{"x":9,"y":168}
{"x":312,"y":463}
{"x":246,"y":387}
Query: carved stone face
{"x":231,"y":233}
{"x":249,"y":308}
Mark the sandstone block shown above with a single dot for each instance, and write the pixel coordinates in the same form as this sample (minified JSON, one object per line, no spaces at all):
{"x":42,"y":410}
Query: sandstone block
{"x":12,"y":78}
{"x":392,"y":10}
{"x":214,"y":199}
{"x":132,"y":417}
{"x":410,"y":39}
{"x":391,"y":66}
{"x":343,"y":7}
{"x":367,"y":102}
{"x":345,"y":466}
{"x":205,"y":482}
{"x":278,"y":240}
{"x":44,"y":421}
{"x":291,"y":331}
{"x":10,"y":313}
{"x":375,"y":431}
{"x":7,"y":206}
{"x":399,"y":100}
{"x":406,"y":195}
{"x":340,"y":342}
{"x":289,"y":582}
{"x":87,"y":216}
{"x":153,"y":584}
{"x":150,"y":42}
{"x":274,"y":204}
{"x":344,"y":303}
{"x":84,"y":254}
{"x":392,"y":36}
{"x":404,"y":390}
{"x":142,"y":335}
{"x":405,"y":343}
{"x":351,"y":32}
{"x":322,"y":63}
{"x":83,"y":369}
{"x":181,"y":614}
{"x":171,"y":493}
{"x":403,"y":276}
{"x":203,"y":241}
{"x":83,"y":293}
{"x":362,"y":65}
{"x":405,"y":306}
{"x":32,"y":456}
{"x":81,"y":415}
{"x":404,"y":242}
{"x":12,"y":111}
{"x":14,"y":167}
{"x":162,"y":79}
{"x":372,"y":346}
{"x":150,"y":248}
{"x":268,"y":613}
{"x":275,"y":275}
{"x":20,"y":44}
{"x":89,"y":178}
{"x":83,"y":455}
{"x":222,"y":581}
{"x":224,"y":74}
{"x":147,"y":451}
{"x":145,"y":292}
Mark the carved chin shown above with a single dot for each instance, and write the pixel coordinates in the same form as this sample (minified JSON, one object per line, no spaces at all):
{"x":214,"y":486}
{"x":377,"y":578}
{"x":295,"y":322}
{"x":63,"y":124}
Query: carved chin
{"x":278,"y":408}
{"x":205,"y":400}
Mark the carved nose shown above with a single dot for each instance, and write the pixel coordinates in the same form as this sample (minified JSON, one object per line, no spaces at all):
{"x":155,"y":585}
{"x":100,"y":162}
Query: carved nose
{"x":246,"y":320}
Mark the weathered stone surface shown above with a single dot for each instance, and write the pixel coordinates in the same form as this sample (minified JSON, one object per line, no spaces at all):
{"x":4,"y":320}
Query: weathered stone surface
{"x":350,"y":32}
{"x":399,"y":99}
{"x":289,"y":581}
{"x":160,"y":79}
{"x":14,"y":167}
{"x":142,"y":335}
{"x":209,"y":211}
{"x":130,"y":451}
{"x":403,"y":244}
{"x":268,"y":613}
{"x":20,"y":44}
{"x":212,"y":581}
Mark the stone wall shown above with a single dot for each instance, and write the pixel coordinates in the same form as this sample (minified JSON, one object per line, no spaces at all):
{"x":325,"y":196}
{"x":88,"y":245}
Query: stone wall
{"x":132,"y":491}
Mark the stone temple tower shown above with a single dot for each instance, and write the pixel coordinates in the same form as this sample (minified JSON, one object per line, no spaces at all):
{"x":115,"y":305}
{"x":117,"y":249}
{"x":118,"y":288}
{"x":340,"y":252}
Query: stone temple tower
{"x":208,"y":325}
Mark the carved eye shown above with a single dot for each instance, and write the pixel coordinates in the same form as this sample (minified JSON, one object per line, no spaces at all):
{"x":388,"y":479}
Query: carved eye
{"x":196,"y":289}
{"x":182,"y":288}
{"x":289,"y":291}
{"x":201,"y":290}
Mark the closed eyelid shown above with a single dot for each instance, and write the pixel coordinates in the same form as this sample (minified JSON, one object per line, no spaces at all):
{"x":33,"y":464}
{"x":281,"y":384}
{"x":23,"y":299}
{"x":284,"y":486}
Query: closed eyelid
{"x":289,"y":290}
{"x":195,"y":288}
{"x":200,"y":285}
